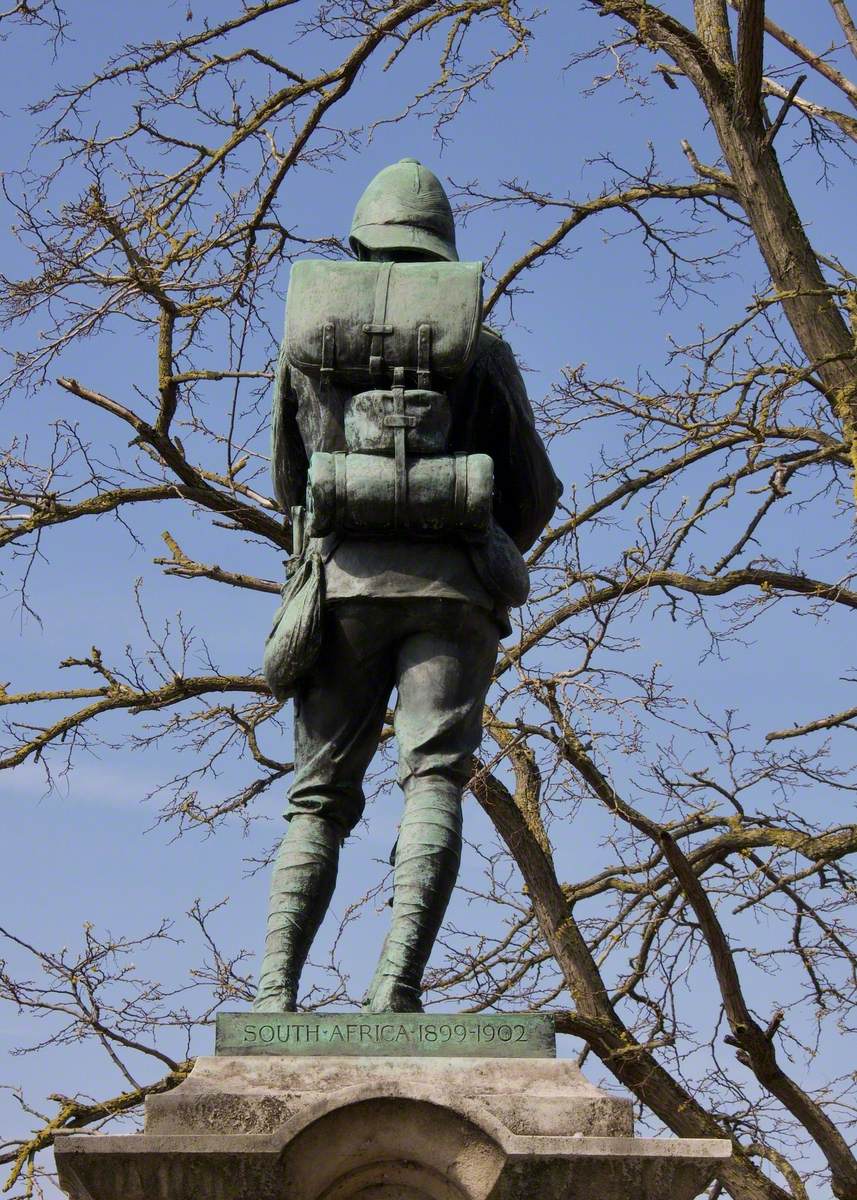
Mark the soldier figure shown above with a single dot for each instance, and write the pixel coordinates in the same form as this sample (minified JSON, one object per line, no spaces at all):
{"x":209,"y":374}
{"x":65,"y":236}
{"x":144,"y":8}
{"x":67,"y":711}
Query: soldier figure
{"x":419,"y":503}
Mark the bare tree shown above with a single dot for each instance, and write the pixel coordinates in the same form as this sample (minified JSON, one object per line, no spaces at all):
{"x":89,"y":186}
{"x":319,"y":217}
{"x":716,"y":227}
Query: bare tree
{"x":720,"y":852}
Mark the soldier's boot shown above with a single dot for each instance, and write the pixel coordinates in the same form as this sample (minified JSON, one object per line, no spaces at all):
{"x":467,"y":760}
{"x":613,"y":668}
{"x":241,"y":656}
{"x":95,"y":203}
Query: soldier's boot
{"x":427,"y":856}
{"x":301,"y":888}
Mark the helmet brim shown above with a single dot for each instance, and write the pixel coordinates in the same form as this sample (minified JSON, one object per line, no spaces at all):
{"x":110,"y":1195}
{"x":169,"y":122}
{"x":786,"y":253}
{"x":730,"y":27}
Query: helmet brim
{"x":402,"y":237}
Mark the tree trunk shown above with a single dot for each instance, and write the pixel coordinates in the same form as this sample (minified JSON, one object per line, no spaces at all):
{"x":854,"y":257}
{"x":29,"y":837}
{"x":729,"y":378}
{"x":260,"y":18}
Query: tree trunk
{"x":595,"y":1019}
{"x":809,"y":306}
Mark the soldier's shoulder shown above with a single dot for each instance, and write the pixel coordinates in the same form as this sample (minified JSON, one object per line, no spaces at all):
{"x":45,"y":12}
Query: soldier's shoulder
{"x":492,"y":344}
{"x":495,"y":357}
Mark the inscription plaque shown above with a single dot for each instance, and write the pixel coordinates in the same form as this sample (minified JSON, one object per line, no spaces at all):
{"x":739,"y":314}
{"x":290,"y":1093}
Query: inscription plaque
{"x":506,"y":1035}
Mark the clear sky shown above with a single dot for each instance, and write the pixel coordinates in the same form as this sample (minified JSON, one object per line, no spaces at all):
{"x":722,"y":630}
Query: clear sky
{"x":90,"y":850}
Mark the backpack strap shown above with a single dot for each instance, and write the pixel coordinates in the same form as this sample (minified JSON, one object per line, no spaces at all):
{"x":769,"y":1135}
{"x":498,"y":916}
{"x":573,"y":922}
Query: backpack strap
{"x":340,"y":489}
{"x":400,"y":479}
{"x":459,"y":494}
{"x":424,"y":357}
{"x":328,"y":355}
{"x":378,"y":328}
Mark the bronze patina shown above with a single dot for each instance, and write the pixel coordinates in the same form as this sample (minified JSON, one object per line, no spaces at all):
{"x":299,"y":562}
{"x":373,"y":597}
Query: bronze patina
{"x":398,"y":1035}
{"x":405,"y":448}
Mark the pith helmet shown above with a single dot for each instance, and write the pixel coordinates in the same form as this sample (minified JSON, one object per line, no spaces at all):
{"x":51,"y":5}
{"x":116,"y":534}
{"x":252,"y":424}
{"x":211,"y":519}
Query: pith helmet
{"x":405,"y":208}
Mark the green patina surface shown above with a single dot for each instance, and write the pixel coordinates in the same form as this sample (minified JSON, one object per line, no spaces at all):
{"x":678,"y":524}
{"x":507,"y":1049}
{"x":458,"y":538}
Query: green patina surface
{"x":405,"y":447}
{"x":509,"y":1035}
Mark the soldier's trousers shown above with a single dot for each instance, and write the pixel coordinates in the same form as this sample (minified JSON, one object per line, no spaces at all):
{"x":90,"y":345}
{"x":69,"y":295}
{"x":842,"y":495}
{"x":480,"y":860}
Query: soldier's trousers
{"x":437,"y":654}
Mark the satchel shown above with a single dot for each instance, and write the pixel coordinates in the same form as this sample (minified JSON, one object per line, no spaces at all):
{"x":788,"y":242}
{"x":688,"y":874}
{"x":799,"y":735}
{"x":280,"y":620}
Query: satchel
{"x":501,"y":567}
{"x":294,"y":642}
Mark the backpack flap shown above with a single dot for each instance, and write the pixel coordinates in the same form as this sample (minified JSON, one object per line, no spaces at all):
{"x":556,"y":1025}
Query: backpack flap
{"x":354,"y":322}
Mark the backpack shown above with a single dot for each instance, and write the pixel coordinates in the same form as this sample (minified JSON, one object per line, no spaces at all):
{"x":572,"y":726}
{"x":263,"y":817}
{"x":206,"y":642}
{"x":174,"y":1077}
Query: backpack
{"x":380,"y":343}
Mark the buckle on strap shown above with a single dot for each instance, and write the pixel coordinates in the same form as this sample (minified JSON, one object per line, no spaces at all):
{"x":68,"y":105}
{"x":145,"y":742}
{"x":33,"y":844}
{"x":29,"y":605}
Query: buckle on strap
{"x":378,"y":328}
{"x":424,"y":357}
{"x":328,"y":353}
{"x":400,"y":476}
{"x":397,"y":420}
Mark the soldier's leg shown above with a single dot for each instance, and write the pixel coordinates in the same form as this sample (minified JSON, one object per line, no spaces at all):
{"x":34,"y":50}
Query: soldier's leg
{"x":339,"y":715}
{"x":302,"y":885}
{"x":443,"y":673}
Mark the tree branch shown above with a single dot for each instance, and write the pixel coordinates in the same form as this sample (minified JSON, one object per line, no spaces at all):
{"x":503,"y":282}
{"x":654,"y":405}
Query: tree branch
{"x":657,"y":28}
{"x":811,"y":109}
{"x":225,"y":504}
{"x":48,"y":511}
{"x":594,"y":1016}
{"x":816,"y":61}
{"x":186,"y":568}
{"x":748,"y":78}
{"x":769,"y":582}
{"x":846,"y":21}
{"x":712,"y":27}
{"x":580,"y":212}
{"x":830,"y":722}
{"x":73,"y":1115}
{"x":756,"y":1045}
{"x":781,"y":115}
{"x":118,"y":697}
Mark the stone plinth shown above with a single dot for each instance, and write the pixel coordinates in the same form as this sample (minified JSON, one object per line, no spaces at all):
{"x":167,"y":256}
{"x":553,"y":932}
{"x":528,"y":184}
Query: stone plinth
{"x":360,"y":1128}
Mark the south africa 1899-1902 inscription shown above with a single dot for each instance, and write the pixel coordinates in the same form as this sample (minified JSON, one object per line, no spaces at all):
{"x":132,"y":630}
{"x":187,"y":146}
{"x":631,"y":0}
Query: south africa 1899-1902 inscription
{"x":508,"y":1035}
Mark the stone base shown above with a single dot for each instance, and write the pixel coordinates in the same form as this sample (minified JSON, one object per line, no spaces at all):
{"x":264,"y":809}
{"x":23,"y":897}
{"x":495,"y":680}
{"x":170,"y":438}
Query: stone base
{"x":385,"y":1129}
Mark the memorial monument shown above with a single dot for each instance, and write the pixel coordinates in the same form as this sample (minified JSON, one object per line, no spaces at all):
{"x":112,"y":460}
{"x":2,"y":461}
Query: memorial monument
{"x":405,"y":449}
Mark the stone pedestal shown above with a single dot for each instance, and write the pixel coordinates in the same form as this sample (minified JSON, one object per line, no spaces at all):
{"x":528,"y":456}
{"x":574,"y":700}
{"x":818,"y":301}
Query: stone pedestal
{"x":331,"y":1127}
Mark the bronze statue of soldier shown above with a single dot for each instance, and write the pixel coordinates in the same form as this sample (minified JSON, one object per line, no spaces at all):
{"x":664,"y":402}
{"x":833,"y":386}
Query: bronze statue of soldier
{"x":404,"y":445}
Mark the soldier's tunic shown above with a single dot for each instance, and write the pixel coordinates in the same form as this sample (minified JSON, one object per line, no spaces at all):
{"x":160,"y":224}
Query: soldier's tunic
{"x":410,"y":615}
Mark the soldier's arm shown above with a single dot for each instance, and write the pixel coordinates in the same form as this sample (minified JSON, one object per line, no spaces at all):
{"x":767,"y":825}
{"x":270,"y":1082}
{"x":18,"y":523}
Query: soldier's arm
{"x":288,"y":456}
{"x":526,"y":487}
